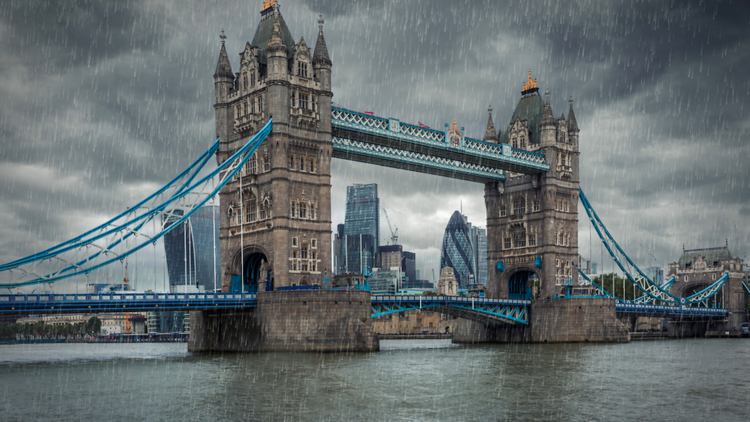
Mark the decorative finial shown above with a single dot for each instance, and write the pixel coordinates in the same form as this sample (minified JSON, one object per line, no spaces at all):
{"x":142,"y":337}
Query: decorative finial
{"x":529,"y":84}
{"x":320,"y":22}
{"x":490,"y":109}
{"x":223,"y":37}
{"x":268,"y":3}
{"x":570,"y":100}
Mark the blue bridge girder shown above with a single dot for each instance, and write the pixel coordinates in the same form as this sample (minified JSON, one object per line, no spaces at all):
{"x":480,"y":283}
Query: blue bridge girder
{"x":124,"y":302}
{"x":497,"y":311}
{"x":666,"y":310}
{"x":388,"y":142}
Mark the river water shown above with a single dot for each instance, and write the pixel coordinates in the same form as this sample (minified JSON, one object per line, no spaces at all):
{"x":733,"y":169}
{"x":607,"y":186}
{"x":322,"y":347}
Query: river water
{"x":408,"y":380}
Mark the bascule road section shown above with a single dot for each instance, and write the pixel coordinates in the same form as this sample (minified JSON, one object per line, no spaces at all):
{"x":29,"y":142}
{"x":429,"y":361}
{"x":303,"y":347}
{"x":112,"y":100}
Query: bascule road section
{"x":388,"y":142}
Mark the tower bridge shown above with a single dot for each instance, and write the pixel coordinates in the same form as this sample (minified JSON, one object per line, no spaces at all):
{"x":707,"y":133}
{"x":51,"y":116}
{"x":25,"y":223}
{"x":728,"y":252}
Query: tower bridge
{"x":277,"y":132}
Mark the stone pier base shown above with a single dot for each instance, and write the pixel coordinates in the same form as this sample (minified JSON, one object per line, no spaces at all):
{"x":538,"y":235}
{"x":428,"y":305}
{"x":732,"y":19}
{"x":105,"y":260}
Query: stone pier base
{"x":554,"y":321}
{"x":298,"y":321}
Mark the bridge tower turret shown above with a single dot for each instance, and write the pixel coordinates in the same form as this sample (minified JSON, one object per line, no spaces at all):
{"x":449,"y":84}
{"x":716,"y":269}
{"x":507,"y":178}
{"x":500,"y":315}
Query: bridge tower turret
{"x":532,"y":220}
{"x":223,"y":84}
{"x":276,"y":218}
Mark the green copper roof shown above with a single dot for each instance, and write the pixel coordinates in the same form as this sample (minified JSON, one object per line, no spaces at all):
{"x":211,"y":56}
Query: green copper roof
{"x":710,"y":255}
{"x":529,"y":108}
{"x":263,"y":34}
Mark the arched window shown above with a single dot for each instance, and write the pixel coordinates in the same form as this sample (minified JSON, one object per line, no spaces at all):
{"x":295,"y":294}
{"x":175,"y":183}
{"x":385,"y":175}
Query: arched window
{"x":519,"y":205}
{"x":537,"y":205}
{"x":503,"y":212}
{"x":523,"y":143}
{"x":244,"y":80}
{"x":514,"y":142}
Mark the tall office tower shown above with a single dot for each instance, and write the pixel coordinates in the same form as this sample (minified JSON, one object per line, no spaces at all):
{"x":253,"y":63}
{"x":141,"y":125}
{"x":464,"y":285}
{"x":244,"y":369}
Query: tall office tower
{"x":338,"y":251}
{"x":361,"y":227}
{"x":193,"y":249}
{"x":656,"y":274}
{"x":480,"y":255}
{"x":457,"y":251}
{"x":391,"y":256}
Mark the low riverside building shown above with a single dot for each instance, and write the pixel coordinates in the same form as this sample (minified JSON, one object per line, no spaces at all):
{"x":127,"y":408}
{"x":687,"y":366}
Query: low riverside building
{"x":414,"y":322}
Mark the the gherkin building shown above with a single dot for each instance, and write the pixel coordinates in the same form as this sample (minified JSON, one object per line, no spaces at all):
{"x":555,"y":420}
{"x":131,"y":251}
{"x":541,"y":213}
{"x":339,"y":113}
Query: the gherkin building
{"x":457,"y":251}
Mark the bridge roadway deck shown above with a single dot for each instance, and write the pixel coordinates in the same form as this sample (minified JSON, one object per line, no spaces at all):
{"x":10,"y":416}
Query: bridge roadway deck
{"x":480,"y":309}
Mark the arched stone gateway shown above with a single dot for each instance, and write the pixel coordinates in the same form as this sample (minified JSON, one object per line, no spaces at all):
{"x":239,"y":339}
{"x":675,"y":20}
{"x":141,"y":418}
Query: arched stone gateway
{"x":519,"y":285}
{"x":249,"y":270}
{"x":252,"y":272}
{"x":715,"y":301}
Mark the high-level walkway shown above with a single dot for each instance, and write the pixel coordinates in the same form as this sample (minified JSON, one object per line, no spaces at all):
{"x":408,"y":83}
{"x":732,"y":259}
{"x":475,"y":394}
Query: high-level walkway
{"x":388,"y":142}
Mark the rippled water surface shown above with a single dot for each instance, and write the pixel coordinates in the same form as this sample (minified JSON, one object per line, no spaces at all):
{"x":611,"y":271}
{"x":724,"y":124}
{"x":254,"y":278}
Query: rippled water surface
{"x":408,"y":380}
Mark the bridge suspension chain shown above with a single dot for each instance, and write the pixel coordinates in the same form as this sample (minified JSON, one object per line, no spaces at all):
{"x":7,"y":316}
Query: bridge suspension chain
{"x":126,"y":233}
{"x":652,"y":290}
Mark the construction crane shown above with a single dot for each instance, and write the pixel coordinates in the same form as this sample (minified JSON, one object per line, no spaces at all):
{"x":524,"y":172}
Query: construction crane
{"x":394,"y":235}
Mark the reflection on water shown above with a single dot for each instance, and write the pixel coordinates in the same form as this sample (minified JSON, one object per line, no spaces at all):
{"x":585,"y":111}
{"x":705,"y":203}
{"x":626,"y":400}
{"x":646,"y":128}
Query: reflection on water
{"x":410,"y":380}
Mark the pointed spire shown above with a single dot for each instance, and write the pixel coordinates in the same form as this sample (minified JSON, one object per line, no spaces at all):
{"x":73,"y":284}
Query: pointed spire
{"x":547,"y":118}
{"x":572,"y":124}
{"x":489,"y":133}
{"x":223,"y":67}
{"x":321,"y":50}
{"x":276,"y":42}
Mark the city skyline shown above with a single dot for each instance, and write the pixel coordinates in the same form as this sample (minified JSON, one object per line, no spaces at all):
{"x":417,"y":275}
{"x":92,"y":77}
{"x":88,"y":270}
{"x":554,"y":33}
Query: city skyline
{"x":662,"y":124}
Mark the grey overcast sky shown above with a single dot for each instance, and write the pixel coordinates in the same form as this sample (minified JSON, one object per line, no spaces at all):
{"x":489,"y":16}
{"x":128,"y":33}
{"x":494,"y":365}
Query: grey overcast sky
{"x":102,"y":102}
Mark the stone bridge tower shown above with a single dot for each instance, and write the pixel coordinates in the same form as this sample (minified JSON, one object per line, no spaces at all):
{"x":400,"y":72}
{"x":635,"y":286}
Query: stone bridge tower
{"x":532,"y":221}
{"x":275,"y":215}
{"x":699,"y":268}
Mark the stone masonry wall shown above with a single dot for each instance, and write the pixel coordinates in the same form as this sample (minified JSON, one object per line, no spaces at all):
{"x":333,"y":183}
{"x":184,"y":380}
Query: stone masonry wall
{"x":553,"y":321}
{"x":576,"y":320}
{"x":312,"y":321}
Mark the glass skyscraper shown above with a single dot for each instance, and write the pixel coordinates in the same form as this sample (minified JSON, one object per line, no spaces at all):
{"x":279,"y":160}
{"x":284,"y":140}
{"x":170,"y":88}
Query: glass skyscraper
{"x":457,"y":251}
{"x":192,"y":249}
{"x":361,"y":228}
{"x":479,"y":242}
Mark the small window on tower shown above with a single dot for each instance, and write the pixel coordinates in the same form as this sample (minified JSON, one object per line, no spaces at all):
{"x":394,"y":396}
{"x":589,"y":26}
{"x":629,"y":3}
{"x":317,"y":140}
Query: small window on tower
{"x":314,"y":243}
{"x":503,"y":213}
{"x":506,"y":243}
{"x":301,"y":163}
{"x":291,"y":162}
{"x":266,"y":163}
{"x":294,"y":242}
{"x":311,"y":165}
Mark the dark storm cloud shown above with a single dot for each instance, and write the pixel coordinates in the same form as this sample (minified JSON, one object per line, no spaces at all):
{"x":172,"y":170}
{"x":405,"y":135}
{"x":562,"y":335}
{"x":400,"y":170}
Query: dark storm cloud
{"x":105,"y":101}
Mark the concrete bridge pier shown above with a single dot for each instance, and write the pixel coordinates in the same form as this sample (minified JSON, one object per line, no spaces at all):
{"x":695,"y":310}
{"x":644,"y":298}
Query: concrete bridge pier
{"x":554,"y":321}
{"x":308,"y":320}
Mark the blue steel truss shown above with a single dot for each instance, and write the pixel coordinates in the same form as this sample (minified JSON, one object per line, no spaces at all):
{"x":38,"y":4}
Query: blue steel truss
{"x":746,"y":287}
{"x":129,"y":232}
{"x":507,"y":311}
{"x":366,"y":138}
{"x":645,"y":299}
{"x":645,"y":284}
